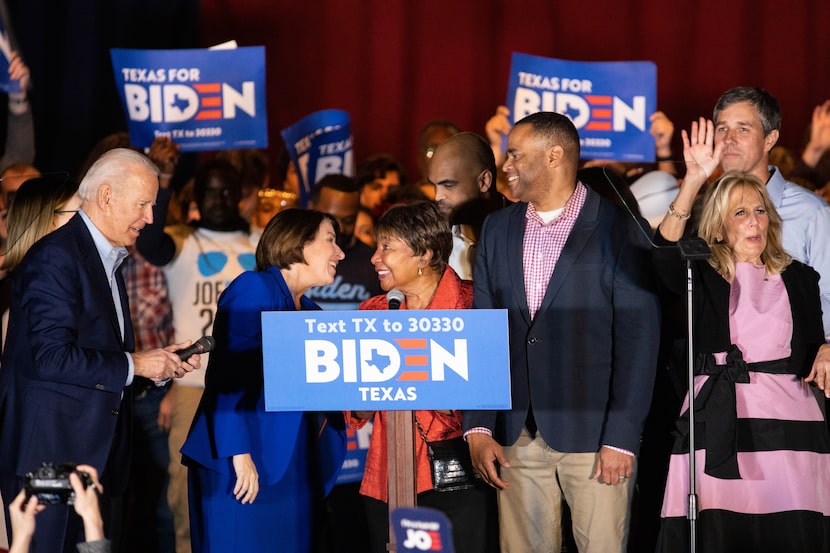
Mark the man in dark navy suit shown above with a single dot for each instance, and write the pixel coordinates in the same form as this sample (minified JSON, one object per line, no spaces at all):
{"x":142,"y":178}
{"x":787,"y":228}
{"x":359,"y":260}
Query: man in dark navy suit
{"x":573,"y":272}
{"x":65,"y":382}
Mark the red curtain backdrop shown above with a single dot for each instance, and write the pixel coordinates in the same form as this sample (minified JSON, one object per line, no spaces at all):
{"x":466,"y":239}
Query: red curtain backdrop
{"x":394,"y":65}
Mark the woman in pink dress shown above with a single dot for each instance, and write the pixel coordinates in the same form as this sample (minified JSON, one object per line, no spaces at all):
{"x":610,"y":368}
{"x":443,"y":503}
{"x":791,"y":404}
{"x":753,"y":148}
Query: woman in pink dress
{"x":762,"y":443}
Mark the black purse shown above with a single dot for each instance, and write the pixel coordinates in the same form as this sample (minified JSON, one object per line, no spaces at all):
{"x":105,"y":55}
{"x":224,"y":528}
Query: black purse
{"x":451,"y":467}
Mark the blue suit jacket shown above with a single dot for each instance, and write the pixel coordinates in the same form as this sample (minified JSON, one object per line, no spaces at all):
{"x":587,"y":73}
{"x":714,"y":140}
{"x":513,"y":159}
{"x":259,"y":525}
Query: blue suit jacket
{"x":231,"y":418}
{"x":586,"y":362}
{"x":64,"y":367}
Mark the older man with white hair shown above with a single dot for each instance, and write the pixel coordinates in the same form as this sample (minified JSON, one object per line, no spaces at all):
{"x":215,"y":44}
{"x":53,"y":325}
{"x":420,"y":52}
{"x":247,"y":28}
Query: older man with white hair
{"x":65,"y":385}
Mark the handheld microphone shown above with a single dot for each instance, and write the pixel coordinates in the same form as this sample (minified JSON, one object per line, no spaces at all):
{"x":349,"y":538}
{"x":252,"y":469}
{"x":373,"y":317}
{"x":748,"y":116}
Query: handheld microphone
{"x":202,"y":345}
{"x":395,"y":298}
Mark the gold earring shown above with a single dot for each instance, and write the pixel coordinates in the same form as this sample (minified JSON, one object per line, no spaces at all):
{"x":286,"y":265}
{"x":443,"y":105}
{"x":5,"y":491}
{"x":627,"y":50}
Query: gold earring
{"x":419,"y":271}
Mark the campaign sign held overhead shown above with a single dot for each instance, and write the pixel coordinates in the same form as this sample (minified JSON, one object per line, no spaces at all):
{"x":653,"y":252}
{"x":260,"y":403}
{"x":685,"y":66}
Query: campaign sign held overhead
{"x":320,"y":144}
{"x":6,"y":84}
{"x":386,"y":360}
{"x":203,"y":99}
{"x":608,"y":102}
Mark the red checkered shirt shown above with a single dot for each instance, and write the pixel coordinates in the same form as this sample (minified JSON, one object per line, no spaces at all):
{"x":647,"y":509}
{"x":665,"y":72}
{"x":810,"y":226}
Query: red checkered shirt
{"x":543,"y":244}
{"x":150,"y":308}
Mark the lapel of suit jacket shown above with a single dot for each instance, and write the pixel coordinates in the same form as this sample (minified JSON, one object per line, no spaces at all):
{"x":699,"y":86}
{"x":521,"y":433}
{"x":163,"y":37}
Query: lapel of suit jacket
{"x":584,"y":227}
{"x":129,"y":332}
{"x":99,"y":279}
{"x":515,"y":261}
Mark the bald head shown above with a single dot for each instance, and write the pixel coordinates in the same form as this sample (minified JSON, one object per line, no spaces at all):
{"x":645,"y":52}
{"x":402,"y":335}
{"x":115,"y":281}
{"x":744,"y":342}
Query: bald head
{"x":462,"y":169}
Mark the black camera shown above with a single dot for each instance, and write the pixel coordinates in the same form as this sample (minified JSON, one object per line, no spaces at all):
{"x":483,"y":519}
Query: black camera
{"x":51,"y":485}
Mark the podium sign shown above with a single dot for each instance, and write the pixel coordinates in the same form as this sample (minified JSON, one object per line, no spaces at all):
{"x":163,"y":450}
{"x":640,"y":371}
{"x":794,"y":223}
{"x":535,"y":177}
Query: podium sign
{"x":386,"y":360}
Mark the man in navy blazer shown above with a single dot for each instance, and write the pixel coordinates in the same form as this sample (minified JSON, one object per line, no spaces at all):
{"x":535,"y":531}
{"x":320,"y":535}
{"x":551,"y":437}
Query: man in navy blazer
{"x":65,"y":391}
{"x":573,"y":272}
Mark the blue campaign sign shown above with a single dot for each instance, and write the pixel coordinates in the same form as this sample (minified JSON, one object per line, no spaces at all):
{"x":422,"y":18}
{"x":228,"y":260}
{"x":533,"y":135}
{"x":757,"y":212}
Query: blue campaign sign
{"x":6,"y":84}
{"x":422,"y":529}
{"x":320,"y":144}
{"x":609,"y":102}
{"x":386,"y":360}
{"x":357,"y":446}
{"x":203,"y":99}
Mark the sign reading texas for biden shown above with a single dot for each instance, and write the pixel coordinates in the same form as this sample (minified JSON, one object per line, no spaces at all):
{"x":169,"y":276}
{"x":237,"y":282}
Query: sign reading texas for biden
{"x":386,"y":360}
{"x":202,"y":99}
{"x":608,"y":102}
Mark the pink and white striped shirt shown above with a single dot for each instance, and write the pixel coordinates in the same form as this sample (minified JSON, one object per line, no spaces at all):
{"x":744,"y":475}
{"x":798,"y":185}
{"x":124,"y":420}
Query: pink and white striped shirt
{"x":543,"y":243}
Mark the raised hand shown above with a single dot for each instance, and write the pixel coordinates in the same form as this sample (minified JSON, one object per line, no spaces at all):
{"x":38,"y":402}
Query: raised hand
{"x":819,"y":135}
{"x":662,"y":130}
{"x":165,"y":154}
{"x":701,"y":157}
{"x":19,"y":71}
{"x":497,"y":128}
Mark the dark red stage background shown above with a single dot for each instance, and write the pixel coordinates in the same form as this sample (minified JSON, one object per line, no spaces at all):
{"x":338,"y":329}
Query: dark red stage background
{"x":394,"y":64}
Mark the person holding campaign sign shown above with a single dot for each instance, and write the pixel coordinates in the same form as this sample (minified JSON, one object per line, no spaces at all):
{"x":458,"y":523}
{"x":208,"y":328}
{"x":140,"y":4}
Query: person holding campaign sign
{"x":414,"y":245}
{"x":254,"y":475}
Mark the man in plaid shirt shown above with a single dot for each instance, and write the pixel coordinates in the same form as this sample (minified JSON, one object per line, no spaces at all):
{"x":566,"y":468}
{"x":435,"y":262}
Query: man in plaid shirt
{"x":151,"y":527}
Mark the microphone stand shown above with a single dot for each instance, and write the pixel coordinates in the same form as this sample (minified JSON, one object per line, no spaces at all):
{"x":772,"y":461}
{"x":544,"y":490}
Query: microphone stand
{"x":692,"y":249}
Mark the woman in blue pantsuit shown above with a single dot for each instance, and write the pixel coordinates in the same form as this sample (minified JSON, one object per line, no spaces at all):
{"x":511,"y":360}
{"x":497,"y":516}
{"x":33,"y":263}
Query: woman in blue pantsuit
{"x":254,"y":476}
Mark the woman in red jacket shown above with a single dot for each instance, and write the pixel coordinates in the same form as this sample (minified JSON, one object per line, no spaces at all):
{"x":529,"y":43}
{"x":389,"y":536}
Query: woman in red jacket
{"x":413,"y":246}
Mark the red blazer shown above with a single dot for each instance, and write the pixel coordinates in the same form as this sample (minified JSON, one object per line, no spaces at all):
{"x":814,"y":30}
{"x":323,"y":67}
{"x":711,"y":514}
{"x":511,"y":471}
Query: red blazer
{"x":452,"y":293}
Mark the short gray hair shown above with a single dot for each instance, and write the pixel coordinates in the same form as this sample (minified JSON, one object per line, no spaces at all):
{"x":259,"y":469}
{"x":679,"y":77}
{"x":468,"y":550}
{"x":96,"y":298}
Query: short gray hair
{"x":110,"y":168}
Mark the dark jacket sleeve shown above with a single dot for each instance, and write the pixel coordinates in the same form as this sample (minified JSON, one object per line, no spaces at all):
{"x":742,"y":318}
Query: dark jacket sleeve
{"x":153,"y":243}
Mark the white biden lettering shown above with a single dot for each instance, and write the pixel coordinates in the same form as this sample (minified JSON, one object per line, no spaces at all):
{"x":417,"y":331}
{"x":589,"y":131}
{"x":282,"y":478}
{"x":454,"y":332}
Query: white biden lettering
{"x":173,"y":103}
{"x":530,"y":101}
{"x":375,"y":361}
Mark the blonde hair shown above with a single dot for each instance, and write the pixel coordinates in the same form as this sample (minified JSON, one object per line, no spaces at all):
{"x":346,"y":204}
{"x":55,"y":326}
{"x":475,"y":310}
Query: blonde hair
{"x":32,"y":213}
{"x":715,"y":211}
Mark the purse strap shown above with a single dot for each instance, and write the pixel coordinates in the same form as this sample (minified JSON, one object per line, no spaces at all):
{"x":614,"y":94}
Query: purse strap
{"x":421,"y":428}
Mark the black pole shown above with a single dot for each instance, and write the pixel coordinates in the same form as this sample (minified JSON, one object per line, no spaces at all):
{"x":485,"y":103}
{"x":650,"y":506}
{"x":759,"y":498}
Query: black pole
{"x":692,"y":250}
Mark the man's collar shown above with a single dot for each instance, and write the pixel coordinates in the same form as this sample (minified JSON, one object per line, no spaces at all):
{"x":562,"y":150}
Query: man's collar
{"x":571,"y":208}
{"x":102,"y":244}
{"x":776,"y":185}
